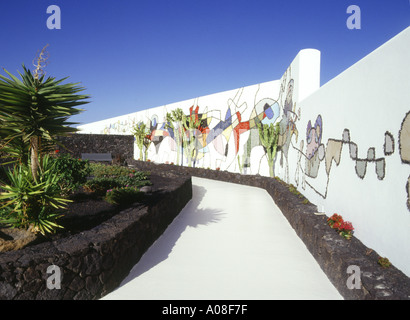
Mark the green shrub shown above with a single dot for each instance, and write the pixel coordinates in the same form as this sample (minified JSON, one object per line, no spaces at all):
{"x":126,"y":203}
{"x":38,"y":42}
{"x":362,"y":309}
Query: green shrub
{"x":118,"y":184}
{"x":73,"y":172}
{"x":123,"y":195}
{"x":101,"y":185}
{"x":99,"y":170}
{"x":27,"y":202}
{"x":384,"y":262}
{"x":137,"y":179}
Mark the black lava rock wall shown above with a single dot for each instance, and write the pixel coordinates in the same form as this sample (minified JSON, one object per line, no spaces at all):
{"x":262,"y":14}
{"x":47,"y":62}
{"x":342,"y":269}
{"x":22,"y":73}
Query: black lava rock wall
{"x":94,"y":262}
{"x":118,"y":145}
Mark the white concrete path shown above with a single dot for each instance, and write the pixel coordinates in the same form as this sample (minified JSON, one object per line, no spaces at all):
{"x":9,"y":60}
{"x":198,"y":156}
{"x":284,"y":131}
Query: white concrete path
{"x":230,"y":242}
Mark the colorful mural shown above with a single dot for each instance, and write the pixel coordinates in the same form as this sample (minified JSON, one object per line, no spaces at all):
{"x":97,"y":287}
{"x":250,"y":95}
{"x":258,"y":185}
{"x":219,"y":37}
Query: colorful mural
{"x":199,"y":133}
{"x":339,"y":144}
{"x":202,"y":137}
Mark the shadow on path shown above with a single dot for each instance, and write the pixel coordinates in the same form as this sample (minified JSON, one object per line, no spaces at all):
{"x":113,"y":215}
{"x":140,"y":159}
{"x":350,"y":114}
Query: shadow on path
{"x":190,"y":216}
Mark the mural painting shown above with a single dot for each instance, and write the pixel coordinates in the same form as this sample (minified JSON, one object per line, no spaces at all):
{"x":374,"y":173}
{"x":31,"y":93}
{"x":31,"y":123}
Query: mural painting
{"x":316,"y":153}
{"x":320,"y":139}
{"x":207,"y":139}
{"x":404,"y":145}
{"x":192,"y":136}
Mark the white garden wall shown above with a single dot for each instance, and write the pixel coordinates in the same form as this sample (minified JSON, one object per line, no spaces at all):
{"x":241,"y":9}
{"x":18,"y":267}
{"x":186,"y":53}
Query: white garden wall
{"x":345,"y":145}
{"x":361,"y":166}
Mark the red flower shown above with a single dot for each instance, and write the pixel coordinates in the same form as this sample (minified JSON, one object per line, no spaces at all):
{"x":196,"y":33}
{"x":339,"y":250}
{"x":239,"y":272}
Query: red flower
{"x":335,"y":221}
{"x":346,"y":226}
{"x":336,"y":225}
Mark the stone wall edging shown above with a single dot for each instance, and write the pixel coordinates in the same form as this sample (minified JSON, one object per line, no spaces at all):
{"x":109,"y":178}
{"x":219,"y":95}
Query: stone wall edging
{"x":94,"y":262}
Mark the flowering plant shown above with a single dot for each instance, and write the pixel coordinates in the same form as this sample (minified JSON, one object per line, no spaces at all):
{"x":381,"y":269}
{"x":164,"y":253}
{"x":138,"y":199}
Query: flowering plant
{"x":345,"y":228}
{"x":335,"y":221}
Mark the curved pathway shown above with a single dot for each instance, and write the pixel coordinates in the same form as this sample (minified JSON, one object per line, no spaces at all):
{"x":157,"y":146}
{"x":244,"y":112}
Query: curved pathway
{"x":229,"y":242}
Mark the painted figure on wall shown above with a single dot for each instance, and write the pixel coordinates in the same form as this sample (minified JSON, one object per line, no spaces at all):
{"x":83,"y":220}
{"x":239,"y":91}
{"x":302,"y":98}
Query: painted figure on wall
{"x":287,"y":127}
{"x":313,"y":137}
{"x":313,"y":144}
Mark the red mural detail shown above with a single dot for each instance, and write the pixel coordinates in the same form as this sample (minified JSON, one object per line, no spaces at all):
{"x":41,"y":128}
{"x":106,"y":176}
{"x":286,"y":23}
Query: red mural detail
{"x":194,"y":114}
{"x":239,"y":129}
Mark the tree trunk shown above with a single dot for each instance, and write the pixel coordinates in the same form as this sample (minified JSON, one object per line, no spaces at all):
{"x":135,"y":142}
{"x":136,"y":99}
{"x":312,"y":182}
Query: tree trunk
{"x":34,"y":157}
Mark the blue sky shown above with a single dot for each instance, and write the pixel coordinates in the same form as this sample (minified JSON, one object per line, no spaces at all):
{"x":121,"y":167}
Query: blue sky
{"x":133,"y":55}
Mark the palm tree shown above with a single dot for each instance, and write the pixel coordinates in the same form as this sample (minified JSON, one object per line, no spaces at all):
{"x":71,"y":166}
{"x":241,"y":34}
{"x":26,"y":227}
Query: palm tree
{"x":35,"y":110}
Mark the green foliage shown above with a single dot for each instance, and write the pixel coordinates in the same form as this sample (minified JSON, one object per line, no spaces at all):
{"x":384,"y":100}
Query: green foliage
{"x":27,"y":202}
{"x":100,"y":185}
{"x":176,"y":115}
{"x":190,"y":124}
{"x":111,"y":177}
{"x":269,"y":136}
{"x":175,"y":119}
{"x":99,"y":170}
{"x":384,"y":262}
{"x":138,"y":179}
{"x":184,"y":128}
{"x":33,"y":111}
{"x":73,"y":172}
{"x":142,"y":136}
{"x":123,"y":196}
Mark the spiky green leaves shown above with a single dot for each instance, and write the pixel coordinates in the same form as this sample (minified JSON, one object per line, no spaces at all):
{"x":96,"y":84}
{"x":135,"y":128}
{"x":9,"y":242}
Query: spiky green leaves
{"x":37,"y":107}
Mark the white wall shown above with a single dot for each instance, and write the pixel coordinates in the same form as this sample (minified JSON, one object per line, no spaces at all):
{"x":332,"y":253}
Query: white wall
{"x":352,"y":158}
{"x":228,"y":150}
{"x":369,"y":99}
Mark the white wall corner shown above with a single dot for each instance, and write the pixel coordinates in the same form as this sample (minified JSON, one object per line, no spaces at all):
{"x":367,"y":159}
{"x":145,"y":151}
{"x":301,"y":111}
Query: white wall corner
{"x":308,"y":72}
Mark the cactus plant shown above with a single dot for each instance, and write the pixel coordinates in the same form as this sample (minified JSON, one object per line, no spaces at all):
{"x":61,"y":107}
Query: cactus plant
{"x":142,"y":136}
{"x":190,"y":124}
{"x":269,"y":136}
{"x":175,"y":119}
{"x":184,"y":133}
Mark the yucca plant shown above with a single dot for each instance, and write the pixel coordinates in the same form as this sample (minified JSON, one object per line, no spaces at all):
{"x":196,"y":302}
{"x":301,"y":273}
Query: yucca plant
{"x":27,"y":202}
{"x":34,"y":111}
